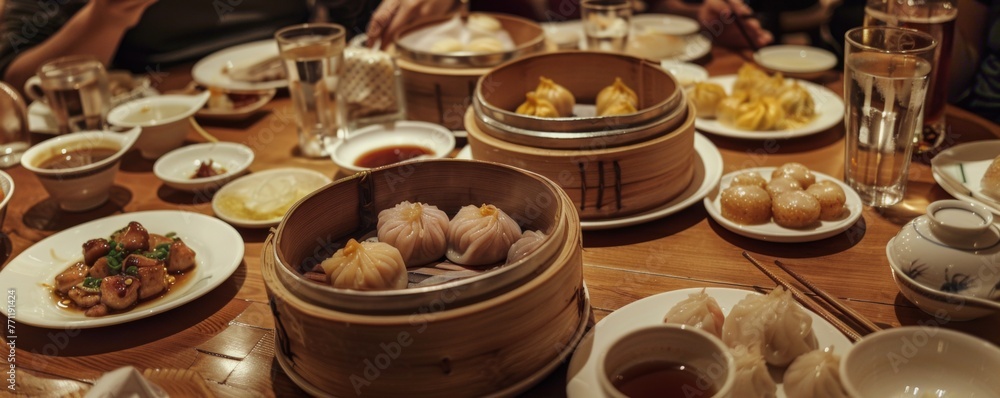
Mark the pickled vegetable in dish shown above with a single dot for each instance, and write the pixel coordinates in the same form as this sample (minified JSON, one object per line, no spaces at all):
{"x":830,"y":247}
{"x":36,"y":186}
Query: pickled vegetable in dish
{"x":559,"y":96}
{"x":537,"y":106}
{"x":123,"y":270}
{"x":208,"y":169}
{"x":266,"y":201}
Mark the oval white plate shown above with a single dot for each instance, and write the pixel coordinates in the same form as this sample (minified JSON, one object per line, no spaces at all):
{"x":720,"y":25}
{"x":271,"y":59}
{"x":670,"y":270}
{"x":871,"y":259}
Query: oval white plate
{"x":176,"y":167}
{"x":960,"y":169}
{"x":434,"y":137}
{"x":208,"y":71}
{"x":277,"y":181}
{"x":775,"y":233}
{"x":795,"y":59}
{"x":582,"y":374}
{"x":829,"y":111}
{"x":218,"y":247}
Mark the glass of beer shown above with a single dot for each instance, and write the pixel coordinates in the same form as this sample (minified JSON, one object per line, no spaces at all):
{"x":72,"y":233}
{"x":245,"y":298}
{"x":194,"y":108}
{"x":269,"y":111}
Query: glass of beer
{"x":936,"y":18}
{"x":312,"y":55}
{"x":606,"y":23}
{"x":76,"y":90}
{"x":886,"y":76}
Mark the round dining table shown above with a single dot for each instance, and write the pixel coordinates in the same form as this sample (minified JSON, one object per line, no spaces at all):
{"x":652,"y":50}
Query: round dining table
{"x":223,"y":343}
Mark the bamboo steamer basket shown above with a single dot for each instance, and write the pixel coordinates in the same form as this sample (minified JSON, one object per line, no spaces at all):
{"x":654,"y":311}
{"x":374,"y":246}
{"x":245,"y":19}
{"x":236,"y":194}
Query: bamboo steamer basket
{"x":439,"y":87}
{"x":450,"y":345}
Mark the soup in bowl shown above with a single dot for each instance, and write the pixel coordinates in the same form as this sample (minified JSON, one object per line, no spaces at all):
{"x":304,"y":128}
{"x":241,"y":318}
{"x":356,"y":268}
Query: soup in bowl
{"x":163,"y":119}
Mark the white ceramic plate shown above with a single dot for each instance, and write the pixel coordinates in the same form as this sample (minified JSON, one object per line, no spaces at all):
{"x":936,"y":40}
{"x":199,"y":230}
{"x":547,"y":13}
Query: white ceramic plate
{"x":176,"y":167}
{"x":438,"y":139}
{"x":959,"y":170}
{"x":209,"y":70}
{"x":776,"y":233}
{"x":268,"y":188}
{"x":218,"y":248}
{"x":706,"y":177}
{"x":795,"y":59}
{"x":695,"y":45}
{"x":582,"y":374}
{"x":686,"y":73}
{"x":829,"y":110}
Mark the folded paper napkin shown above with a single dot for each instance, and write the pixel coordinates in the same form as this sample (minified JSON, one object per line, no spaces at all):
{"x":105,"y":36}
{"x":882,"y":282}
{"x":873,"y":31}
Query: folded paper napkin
{"x":368,"y":83}
{"x":125,"y":382}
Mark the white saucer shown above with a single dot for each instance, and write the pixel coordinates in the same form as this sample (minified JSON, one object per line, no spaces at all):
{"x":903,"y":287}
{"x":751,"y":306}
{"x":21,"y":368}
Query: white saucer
{"x":775,"y":233}
{"x":209,"y":70}
{"x":959,"y":170}
{"x":795,"y":59}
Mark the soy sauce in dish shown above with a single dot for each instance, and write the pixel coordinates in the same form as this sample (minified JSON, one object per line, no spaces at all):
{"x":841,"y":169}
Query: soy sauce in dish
{"x":661,"y":379}
{"x":389,"y":155}
{"x":68,"y":159}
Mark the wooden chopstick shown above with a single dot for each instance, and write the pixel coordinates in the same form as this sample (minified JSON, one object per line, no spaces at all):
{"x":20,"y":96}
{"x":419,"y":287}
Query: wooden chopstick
{"x":812,"y":305}
{"x":743,"y":29}
{"x":861,"y":320}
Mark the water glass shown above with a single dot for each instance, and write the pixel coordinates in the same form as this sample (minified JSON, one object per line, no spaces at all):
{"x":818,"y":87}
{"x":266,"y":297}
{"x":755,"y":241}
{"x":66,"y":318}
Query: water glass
{"x":606,"y":23}
{"x":76,"y":90}
{"x":312,"y":55}
{"x":886,"y":74}
{"x":14,"y":137}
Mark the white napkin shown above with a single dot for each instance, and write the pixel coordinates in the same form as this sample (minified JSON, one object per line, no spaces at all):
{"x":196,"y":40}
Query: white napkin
{"x":125,"y":382}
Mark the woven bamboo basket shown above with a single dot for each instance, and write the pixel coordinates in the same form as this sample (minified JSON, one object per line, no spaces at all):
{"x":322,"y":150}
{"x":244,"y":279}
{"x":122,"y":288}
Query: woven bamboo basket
{"x":439,"y":88}
{"x":469,"y":338}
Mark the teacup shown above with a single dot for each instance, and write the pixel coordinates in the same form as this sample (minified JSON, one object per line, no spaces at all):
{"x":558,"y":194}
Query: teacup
{"x":76,"y":90}
{"x":163,"y":119}
{"x":77,"y":170}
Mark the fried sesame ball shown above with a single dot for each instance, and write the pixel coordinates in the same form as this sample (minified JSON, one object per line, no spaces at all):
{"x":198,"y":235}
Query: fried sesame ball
{"x":797,"y":172}
{"x":831,"y":199}
{"x":795,"y":209}
{"x":780,"y":185}
{"x":749,"y":178}
{"x":746,"y":204}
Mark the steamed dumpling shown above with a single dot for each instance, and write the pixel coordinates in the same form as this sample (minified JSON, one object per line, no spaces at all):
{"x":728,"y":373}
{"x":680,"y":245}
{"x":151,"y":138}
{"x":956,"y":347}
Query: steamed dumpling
{"x":752,"y":377}
{"x":749,"y":78}
{"x":706,"y":98}
{"x":481,"y":235}
{"x":698,"y":310}
{"x":484,"y":45}
{"x":729,"y":108}
{"x":831,"y":198}
{"x":797,"y":172}
{"x":773,"y":324}
{"x":795,"y":209}
{"x":484,"y":23}
{"x":447,"y":45}
{"x":749,"y":178}
{"x":798,"y":104}
{"x":536,"y":106}
{"x":618,"y":108}
{"x":761,"y":114}
{"x":815,"y":374}
{"x":529,"y":242}
{"x":745,"y":204}
{"x":366,"y":266}
{"x":418,"y":230}
{"x":614,"y":94}
{"x":558,"y":95}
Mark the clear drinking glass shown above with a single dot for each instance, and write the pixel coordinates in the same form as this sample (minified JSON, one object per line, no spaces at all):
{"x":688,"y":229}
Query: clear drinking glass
{"x":936,"y":18}
{"x":886,"y":74}
{"x":312,"y":55}
{"x":14,"y":136}
{"x":606,"y":23}
{"x":76,"y":90}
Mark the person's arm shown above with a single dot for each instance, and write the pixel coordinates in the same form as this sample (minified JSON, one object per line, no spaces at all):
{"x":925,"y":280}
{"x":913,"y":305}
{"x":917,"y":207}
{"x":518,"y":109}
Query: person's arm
{"x":392,"y":15}
{"x":97,"y":30}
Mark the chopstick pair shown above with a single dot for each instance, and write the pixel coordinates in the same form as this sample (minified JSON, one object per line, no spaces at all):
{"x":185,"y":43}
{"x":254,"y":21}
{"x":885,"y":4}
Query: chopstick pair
{"x":854,"y":316}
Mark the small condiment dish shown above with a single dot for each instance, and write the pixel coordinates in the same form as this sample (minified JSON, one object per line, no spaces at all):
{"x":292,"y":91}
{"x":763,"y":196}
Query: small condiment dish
{"x":77,"y":170}
{"x":163,"y":118}
{"x":797,"y":61}
{"x":261,"y":199}
{"x":947,"y":262}
{"x":227,"y":105}
{"x":351,"y":154}
{"x":178,"y":169}
{"x":7,"y":189}
{"x":921,"y":361}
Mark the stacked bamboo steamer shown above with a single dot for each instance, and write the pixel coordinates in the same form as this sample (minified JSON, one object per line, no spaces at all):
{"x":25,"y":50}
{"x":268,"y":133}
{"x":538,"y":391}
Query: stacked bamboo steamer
{"x":497,"y":333}
{"x":440,"y":86}
{"x":610,"y":166}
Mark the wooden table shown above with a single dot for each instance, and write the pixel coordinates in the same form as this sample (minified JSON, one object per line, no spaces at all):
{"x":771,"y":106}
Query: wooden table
{"x":226,"y":336}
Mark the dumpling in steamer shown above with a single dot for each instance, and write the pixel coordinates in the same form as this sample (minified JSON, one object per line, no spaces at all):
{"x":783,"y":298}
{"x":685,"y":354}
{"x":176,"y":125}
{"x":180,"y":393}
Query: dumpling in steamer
{"x":481,"y":235}
{"x":559,"y":96}
{"x":484,"y":45}
{"x":484,"y":23}
{"x":815,"y":374}
{"x":447,"y":45}
{"x":698,"y":310}
{"x":619,"y":108}
{"x":418,"y":230}
{"x":614,"y":94}
{"x":774,"y":324}
{"x":752,"y":377}
{"x":530,"y":242}
{"x":537,"y":106}
{"x":366,"y":266}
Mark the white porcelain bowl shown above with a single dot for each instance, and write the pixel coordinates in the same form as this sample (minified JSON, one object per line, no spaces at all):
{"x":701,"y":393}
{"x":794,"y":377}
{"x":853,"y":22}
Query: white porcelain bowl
{"x":164,"y":120}
{"x":177,"y":167}
{"x":921,"y":361}
{"x":437,"y":139}
{"x":83,"y":187}
{"x":7,"y":187}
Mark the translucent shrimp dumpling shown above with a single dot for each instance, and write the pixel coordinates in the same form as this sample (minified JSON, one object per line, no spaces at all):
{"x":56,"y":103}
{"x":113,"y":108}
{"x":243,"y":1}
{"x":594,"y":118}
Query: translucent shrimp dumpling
{"x":614,"y":94}
{"x":418,"y":230}
{"x":706,"y":98}
{"x":815,"y":374}
{"x":752,"y":377}
{"x":481,"y":235}
{"x":773,"y":324}
{"x":366,"y":266}
{"x":530,"y":242}
{"x":698,"y":310}
{"x":447,"y":45}
{"x":536,"y":106}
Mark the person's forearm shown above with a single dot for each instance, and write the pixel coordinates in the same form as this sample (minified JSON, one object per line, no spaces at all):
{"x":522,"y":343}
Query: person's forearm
{"x":84,"y":33}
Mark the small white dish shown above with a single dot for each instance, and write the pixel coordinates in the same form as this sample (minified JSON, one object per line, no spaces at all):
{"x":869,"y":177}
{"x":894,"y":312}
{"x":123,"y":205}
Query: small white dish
{"x":959,"y":171}
{"x":7,"y":188}
{"x":829,"y":112}
{"x":921,"y":361}
{"x":178,"y":167}
{"x":686,"y":73}
{"x":218,"y":252}
{"x":665,"y":23}
{"x":245,"y":201}
{"x":212,"y":70}
{"x":773,"y":232}
{"x":582,"y":376}
{"x":795,"y":59}
{"x":229,"y":105}
{"x":438,"y":140}
{"x":163,"y":118}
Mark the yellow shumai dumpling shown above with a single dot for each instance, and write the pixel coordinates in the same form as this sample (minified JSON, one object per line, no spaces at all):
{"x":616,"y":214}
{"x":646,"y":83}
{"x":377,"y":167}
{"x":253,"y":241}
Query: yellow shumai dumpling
{"x":749,"y":78}
{"x":366,"y":266}
{"x":484,"y":45}
{"x":991,"y":179}
{"x":535,"y":106}
{"x":706,"y":98}
{"x":762,"y":114}
{"x":772,"y":86}
{"x":558,"y":95}
{"x":446,"y":45}
{"x":616,"y":92}
{"x":798,"y":103}
{"x":618,"y":108}
{"x":729,"y":107}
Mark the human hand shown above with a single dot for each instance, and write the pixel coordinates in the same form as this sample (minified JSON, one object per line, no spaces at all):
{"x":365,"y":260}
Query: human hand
{"x":121,"y":12}
{"x":717,"y":16}
{"x":392,"y":15}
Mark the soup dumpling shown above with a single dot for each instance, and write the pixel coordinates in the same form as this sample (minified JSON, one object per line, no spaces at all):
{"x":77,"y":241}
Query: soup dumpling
{"x":366,"y":266}
{"x":484,"y":45}
{"x":535,"y":106}
{"x":614,"y":94}
{"x":418,"y":230}
{"x":559,"y":96}
{"x":481,"y":235}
